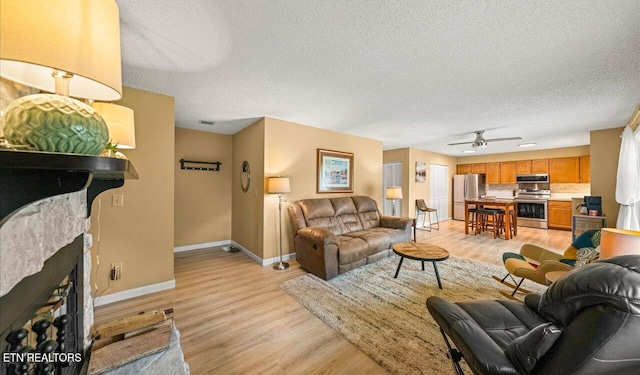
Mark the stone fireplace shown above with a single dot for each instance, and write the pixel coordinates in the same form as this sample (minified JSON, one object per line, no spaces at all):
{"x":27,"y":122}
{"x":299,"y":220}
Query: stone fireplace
{"x":45,"y":204}
{"x":40,"y":246}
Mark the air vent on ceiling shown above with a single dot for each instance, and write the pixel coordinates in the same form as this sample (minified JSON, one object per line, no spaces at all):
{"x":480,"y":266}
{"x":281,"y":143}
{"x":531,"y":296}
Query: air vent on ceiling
{"x":207,"y":122}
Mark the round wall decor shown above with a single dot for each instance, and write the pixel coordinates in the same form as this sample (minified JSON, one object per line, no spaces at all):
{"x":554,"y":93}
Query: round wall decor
{"x":245,"y":176}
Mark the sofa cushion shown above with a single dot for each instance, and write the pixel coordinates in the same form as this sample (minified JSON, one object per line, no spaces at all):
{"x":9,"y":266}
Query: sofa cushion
{"x":333,"y":224}
{"x":351,"y":249}
{"x":377,"y":241}
{"x":395,"y":235}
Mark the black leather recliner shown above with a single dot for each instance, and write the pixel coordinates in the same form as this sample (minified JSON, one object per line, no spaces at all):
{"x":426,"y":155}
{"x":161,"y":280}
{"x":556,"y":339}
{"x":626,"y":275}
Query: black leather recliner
{"x":587,"y":322}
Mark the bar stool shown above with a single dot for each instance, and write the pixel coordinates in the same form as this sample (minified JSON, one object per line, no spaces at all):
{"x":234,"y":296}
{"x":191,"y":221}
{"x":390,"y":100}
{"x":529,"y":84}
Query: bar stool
{"x":472,"y":218}
{"x":422,"y":210}
{"x":513,"y":229}
{"x":483,"y":223}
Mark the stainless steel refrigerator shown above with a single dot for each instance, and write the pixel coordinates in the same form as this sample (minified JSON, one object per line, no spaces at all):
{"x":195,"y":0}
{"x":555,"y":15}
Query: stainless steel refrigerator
{"x":466,"y":186}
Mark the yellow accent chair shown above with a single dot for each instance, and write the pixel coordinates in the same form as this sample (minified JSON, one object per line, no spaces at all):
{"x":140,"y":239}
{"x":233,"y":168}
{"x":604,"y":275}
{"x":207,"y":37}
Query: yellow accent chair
{"x":533,"y":261}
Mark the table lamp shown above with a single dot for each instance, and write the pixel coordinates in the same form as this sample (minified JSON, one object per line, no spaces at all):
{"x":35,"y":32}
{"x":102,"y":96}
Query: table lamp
{"x":279,"y":185}
{"x":393,"y":193}
{"x":120,"y":121}
{"x":615,"y":242}
{"x":69,"y":47}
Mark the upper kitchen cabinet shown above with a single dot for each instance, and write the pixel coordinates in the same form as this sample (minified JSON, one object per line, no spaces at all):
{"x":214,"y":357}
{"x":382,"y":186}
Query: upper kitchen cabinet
{"x":564,"y":170}
{"x":585,"y":169}
{"x":464,"y":168}
{"x":479,"y":168}
{"x":493,"y":173}
{"x":508,"y":172}
{"x":540,"y":166}
{"x":523,"y":167}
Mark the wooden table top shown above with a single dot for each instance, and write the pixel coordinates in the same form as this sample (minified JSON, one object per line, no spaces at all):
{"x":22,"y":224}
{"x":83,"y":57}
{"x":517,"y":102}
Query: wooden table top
{"x":420,"y":251}
{"x":553,"y":276}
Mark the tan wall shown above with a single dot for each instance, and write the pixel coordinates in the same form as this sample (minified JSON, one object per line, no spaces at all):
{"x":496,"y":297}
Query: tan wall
{"x":412,"y":190}
{"x":139,"y":234}
{"x":247,"y":208}
{"x":401,"y":155}
{"x":291,"y":151}
{"x":526,"y":155}
{"x":422,"y":190}
{"x":605,"y":151}
{"x":202,"y":198}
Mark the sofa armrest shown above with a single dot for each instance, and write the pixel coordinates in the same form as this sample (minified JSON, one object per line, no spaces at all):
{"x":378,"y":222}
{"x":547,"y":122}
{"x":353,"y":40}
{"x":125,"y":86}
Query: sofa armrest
{"x":395,"y":222}
{"x":317,"y":251}
{"x":318,"y":235}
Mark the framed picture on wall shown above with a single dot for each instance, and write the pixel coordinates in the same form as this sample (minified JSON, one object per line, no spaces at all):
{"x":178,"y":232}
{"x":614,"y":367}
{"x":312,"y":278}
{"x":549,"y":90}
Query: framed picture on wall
{"x":421,"y":172}
{"x":335,"y":171}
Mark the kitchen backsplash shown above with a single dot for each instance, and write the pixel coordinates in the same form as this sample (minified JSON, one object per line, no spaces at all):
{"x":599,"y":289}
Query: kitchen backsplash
{"x":584,"y":189}
{"x":502,"y":190}
{"x":506,"y":190}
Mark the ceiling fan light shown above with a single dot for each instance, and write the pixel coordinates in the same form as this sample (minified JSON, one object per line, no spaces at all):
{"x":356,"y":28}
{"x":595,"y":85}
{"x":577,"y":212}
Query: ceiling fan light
{"x":470,"y":151}
{"x":531,"y":144}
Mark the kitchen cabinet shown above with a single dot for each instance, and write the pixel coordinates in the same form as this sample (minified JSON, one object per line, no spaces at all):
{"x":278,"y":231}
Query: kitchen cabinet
{"x":508,"y":172}
{"x":479,"y":168}
{"x":493,"y":173}
{"x":464,"y":168}
{"x":540,"y":166}
{"x":585,"y":169}
{"x":523,"y":167}
{"x":564,"y":170}
{"x":560,"y":215}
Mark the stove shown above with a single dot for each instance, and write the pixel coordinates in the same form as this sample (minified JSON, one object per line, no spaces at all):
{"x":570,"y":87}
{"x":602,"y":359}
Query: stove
{"x":532,"y":207}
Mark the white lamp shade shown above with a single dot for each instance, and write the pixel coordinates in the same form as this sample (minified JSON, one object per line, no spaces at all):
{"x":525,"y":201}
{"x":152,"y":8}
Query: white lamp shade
{"x":615,"y":242}
{"x":394,"y":192}
{"x":278,"y":185}
{"x":120,"y":122}
{"x":77,"y":37}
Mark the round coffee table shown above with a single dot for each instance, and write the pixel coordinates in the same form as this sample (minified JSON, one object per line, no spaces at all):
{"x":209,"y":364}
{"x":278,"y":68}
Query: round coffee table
{"x":423,"y":252}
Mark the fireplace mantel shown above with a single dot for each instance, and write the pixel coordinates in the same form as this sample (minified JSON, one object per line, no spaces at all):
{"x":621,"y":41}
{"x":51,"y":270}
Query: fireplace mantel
{"x":29,"y":176}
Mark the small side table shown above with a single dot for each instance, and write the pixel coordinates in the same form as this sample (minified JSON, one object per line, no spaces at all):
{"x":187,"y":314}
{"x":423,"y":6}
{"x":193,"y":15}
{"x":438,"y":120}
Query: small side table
{"x":553,"y":276}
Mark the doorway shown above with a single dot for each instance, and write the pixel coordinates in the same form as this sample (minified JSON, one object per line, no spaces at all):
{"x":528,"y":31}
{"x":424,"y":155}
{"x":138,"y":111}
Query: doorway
{"x":439,"y":190}
{"x":391,"y":176}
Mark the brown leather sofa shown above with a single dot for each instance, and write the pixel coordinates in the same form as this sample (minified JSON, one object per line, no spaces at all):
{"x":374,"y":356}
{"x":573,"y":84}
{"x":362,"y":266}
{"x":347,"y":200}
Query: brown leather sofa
{"x":335,"y":235}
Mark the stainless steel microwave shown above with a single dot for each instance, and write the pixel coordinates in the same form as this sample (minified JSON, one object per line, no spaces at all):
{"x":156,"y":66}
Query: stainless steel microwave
{"x":532,"y":178}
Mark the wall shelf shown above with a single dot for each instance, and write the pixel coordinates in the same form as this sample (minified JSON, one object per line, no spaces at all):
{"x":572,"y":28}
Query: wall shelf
{"x":29,"y":176}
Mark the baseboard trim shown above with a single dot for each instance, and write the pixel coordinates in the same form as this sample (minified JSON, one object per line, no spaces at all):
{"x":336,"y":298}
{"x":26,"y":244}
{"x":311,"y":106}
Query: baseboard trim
{"x":266,"y":262}
{"x":257,"y":259}
{"x":247,"y":252}
{"x":179,"y":249}
{"x":135,"y":292}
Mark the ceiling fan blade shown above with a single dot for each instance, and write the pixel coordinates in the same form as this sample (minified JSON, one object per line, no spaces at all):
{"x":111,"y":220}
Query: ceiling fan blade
{"x":503,"y":139}
{"x":460,"y":143}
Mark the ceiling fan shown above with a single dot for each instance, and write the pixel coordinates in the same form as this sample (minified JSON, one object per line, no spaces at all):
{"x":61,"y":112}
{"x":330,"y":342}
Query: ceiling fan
{"x":481,"y":142}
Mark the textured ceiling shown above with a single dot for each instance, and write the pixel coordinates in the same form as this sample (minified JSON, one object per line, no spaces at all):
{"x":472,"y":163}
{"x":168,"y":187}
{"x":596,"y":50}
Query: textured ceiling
{"x":409,"y":73}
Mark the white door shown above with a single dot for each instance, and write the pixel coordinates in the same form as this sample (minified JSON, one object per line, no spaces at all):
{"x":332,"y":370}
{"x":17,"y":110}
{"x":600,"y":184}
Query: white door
{"x":391,"y":176}
{"x":439,"y":193}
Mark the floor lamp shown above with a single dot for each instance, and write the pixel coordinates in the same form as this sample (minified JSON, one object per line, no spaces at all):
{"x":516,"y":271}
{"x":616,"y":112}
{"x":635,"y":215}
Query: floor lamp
{"x":393,"y":193}
{"x":279,"y":185}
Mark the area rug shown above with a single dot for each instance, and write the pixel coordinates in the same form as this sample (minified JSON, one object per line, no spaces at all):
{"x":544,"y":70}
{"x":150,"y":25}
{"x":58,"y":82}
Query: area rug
{"x":387,"y":318}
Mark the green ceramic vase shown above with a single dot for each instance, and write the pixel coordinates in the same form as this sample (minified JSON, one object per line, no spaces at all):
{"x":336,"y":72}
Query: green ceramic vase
{"x":55,"y":123}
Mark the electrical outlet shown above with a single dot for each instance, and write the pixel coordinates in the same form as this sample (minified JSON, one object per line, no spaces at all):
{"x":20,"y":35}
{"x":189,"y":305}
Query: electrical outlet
{"x":117,"y":200}
{"x":116,"y":271}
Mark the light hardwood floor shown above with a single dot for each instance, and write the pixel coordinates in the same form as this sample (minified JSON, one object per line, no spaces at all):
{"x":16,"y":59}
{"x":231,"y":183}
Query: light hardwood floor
{"x":234,"y":318}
